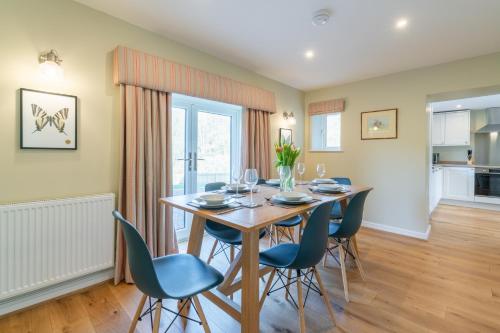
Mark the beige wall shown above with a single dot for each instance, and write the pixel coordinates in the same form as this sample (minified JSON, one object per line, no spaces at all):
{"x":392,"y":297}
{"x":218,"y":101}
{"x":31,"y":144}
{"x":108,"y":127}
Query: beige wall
{"x":397,"y":169}
{"x":85,"y":38}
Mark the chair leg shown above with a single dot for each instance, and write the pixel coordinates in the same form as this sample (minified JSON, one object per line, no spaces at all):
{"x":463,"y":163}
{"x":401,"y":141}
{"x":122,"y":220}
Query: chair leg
{"x":137,"y":314}
{"x":211,"y":255}
{"x":326,"y":299}
{"x":325,"y":258}
{"x":357,"y":260}
{"x":156,"y":324}
{"x":201,"y":314}
{"x":300,"y":303}
{"x":289,"y":277}
{"x":342,"y":268}
{"x":290,"y":232}
{"x":270,"y":235}
{"x":276,"y":235}
{"x":266,"y":289}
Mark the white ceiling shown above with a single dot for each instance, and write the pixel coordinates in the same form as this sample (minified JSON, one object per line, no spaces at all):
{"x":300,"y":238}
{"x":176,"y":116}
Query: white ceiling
{"x":473,"y":103}
{"x":270,"y":37}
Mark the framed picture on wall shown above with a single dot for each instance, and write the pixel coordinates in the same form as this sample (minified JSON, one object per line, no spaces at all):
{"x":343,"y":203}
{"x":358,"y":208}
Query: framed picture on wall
{"x":380,"y":124}
{"x":48,"y":120}
{"x":285,"y":136}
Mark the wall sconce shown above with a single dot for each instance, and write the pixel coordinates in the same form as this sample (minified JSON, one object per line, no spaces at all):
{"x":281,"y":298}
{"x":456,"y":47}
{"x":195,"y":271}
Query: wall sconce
{"x":50,"y":65}
{"x":289,"y":117}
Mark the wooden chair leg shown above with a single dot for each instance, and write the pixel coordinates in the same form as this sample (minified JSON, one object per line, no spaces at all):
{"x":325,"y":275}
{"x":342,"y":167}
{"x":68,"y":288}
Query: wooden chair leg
{"x":271,"y":231}
{"x":137,"y":314}
{"x":290,"y":232}
{"x":344,"y":274}
{"x":289,"y":278}
{"x":156,"y":323}
{"x":358,"y":261}
{"x":211,"y":255}
{"x":266,"y":289}
{"x":300,"y":303}
{"x":201,"y":314}
{"x":326,"y":299}
{"x":276,"y":235}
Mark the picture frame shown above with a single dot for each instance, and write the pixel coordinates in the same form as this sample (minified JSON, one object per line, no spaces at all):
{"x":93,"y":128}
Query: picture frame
{"x":379,"y":124}
{"x":285,"y":136}
{"x":48,"y":120}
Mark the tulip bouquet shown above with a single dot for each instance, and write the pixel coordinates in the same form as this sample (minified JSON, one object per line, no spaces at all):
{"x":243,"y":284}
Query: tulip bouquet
{"x":286,"y":154}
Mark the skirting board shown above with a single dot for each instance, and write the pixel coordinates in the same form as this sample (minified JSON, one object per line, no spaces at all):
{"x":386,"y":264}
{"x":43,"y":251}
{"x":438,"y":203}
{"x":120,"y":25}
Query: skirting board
{"x":470,"y":204}
{"x":399,"y":231}
{"x":45,"y":294}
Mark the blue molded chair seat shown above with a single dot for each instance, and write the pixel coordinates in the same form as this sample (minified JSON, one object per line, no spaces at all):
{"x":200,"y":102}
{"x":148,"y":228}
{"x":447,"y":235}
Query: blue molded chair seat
{"x":195,"y":276}
{"x":280,"y":256}
{"x":227,"y":234}
{"x":290,"y":222}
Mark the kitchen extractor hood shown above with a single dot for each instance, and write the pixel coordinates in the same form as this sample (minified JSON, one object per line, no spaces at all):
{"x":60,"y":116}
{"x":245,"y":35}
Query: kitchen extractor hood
{"x":492,"y":121}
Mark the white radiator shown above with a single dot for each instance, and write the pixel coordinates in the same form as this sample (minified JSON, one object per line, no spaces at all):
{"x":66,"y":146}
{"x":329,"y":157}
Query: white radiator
{"x":47,"y":242}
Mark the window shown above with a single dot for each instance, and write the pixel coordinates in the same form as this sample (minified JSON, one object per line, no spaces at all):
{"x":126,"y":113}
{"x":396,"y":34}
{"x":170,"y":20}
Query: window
{"x":325,"y":132}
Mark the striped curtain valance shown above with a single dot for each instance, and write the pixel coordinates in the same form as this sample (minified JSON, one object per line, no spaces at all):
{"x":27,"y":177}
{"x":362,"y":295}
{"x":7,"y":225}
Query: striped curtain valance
{"x":133,"y":67}
{"x":333,"y":105}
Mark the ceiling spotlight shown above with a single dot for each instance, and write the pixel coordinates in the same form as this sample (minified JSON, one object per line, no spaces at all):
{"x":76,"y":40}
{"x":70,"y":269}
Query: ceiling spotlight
{"x":309,"y":54}
{"x":459,"y":106}
{"x":401,"y":23}
{"x":321,"y":17}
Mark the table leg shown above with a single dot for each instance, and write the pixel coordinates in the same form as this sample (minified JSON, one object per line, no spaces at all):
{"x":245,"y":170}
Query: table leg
{"x":250,"y":282}
{"x":194,"y":248}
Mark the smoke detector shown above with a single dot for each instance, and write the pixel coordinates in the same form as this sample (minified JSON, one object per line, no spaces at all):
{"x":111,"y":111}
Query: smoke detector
{"x":321,"y":17}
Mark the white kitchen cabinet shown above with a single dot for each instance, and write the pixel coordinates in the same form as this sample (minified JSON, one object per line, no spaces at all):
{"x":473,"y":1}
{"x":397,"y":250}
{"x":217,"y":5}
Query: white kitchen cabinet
{"x":458,"y":183}
{"x":451,"y":128}
{"x":436,"y":187}
{"x":438,"y":120}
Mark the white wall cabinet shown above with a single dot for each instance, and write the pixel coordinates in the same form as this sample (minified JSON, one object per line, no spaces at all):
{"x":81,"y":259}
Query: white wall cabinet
{"x":451,"y":128}
{"x":458,"y":183}
{"x":438,"y":120}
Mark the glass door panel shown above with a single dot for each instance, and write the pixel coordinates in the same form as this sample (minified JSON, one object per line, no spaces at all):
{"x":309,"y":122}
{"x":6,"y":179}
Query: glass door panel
{"x":205,"y":145}
{"x":213,"y":153}
{"x":180,"y":167}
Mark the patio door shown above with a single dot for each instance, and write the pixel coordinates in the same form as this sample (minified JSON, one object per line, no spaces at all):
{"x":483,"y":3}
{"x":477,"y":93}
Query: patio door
{"x":206,"y":139}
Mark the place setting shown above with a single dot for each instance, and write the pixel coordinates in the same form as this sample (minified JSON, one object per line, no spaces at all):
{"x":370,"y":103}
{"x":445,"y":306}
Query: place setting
{"x":329,"y":188}
{"x":291,"y":199}
{"x":215,"y":201}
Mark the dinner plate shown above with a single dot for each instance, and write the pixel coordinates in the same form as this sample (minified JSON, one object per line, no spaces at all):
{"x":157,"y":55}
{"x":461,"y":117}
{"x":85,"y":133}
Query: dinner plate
{"x":328,"y":190}
{"x":279,"y":199}
{"x":273,"y":182}
{"x":324,"y":181}
{"x":232,"y":190}
{"x":204,"y":204}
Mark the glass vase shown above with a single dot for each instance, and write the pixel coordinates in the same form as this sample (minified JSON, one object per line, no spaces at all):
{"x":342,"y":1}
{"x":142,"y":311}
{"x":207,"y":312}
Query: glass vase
{"x":286,"y":178}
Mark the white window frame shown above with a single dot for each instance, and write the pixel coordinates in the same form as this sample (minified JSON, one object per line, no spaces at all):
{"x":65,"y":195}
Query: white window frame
{"x":318,"y":132}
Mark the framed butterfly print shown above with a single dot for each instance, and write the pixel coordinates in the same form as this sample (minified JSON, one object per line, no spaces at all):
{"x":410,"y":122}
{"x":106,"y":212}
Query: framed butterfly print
{"x":48,"y":120}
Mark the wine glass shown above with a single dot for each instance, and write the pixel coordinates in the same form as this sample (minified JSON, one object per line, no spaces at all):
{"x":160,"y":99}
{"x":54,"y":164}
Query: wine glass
{"x":321,"y":169}
{"x":301,"y":169}
{"x":236,"y":175}
{"x":251,"y":179}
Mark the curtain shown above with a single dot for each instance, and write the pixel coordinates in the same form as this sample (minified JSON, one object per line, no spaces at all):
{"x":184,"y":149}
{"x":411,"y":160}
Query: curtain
{"x":145,"y":174}
{"x":324,"y":107}
{"x":256,"y":142}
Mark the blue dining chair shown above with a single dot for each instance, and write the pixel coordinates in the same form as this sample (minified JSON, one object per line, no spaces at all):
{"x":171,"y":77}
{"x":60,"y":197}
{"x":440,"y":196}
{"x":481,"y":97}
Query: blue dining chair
{"x":301,"y":258}
{"x":284,"y":229}
{"x":337,"y":207}
{"x":177,"y":276}
{"x":341,"y":235}
{"x":226,"y":237}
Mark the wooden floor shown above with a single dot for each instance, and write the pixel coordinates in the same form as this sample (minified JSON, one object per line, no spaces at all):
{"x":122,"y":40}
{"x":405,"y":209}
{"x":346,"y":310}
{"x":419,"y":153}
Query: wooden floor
{"x":450,"y":283}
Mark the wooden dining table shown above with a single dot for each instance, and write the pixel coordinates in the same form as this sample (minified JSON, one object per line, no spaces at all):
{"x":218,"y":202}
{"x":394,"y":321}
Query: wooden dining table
{"x":249,"y":221}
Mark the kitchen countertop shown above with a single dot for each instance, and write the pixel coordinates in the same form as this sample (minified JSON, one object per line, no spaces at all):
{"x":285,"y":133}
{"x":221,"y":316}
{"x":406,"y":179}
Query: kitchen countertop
{"x":465,"y":165}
